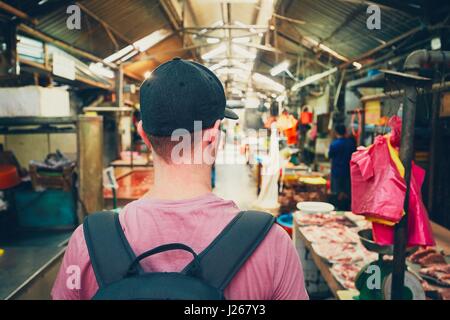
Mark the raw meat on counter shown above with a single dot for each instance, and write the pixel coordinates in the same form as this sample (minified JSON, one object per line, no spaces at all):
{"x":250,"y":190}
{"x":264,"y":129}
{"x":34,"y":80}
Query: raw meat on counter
{"x":440,"y":272}
{"x":334,"y":238}
{"x":344,"y":252}
{"x":337,"y":252}
{"x":435,"y":271}
{"x":345,"y":273}
{"x":427,"y":256}
{"x":329,"y":235}
{"x":320,"y":219}
{"x":419,"y":254}
{"x":432,"y":258}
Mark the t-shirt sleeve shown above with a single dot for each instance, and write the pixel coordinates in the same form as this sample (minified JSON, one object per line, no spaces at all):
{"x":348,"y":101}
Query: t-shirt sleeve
{"x":289,"y":283}
{"x":74,"y":279}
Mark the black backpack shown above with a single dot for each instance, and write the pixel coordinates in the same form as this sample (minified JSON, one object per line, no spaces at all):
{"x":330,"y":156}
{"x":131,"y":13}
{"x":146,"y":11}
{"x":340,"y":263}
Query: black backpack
{"x":120,"y":276}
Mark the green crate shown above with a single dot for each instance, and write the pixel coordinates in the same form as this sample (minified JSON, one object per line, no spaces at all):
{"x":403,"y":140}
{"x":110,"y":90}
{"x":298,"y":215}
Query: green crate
{"x":47,"y":209}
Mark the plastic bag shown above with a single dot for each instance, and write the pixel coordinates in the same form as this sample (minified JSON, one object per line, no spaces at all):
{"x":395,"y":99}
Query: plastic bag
{"x":382,"y":160}
{"x":378,"y":189}
{"x":395,"y":123}
{"x":419,"y":228}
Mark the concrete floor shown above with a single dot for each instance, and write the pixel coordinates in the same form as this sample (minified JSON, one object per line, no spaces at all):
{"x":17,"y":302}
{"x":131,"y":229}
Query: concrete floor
{"x":234,"y":179}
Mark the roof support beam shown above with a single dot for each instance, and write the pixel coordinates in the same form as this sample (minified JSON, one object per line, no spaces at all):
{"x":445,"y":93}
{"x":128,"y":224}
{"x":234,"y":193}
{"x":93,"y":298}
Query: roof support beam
{"x":103,"y":23}
{"x":307,"y":43}
{"x":78,"y":52}
{"x":50,"y":6}
{"x":351,"y":16}
{"x":111,"y":36}
{"x":71,"y":49}
{"x":171,"y":13}
{"x":262,"y":47}
{"x":294,"y":41}
{"x":344,"y":65}
{"x":205,"y":35}
{"x":176,"y":22}
{"x":280,"y":12}
{"x":147,"y":57}
{"x":381,"y":47}
{"x":191,"y":11}
{"x":227,"y":27}
{"x":46,"y":70}
{"x":16,"y":12}
{"x":414,"y":9}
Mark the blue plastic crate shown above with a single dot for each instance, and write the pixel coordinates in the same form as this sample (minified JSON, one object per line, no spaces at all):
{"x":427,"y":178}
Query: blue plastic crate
{"x":46,"y":209}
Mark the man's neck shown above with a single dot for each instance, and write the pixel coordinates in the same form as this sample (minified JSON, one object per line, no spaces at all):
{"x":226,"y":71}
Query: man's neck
{"x":179,"y":182}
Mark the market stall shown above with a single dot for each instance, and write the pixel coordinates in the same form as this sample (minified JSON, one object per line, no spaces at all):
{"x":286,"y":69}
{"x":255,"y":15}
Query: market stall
{"x":332,"y":116}
{"x":333,"y":241}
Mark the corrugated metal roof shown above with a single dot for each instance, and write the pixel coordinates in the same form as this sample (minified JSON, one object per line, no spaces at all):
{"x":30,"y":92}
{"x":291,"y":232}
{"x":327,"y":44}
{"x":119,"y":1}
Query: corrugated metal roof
{"x":323,"y":18}
{"x":133,"y":19}
{"x":156,"y":55}
{"x":339,"y":25}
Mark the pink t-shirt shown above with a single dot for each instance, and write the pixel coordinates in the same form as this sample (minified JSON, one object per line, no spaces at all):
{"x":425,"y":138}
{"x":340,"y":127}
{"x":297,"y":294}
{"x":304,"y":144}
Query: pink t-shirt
{"x":272,"y":272}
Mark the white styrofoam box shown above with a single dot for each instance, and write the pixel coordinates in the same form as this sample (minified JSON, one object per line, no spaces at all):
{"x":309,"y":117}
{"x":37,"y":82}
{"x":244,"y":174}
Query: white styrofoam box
{"x":34,"y":101}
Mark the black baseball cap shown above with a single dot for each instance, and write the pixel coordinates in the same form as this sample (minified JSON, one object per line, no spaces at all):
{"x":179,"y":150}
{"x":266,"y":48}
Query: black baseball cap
{"x":178,"y":93}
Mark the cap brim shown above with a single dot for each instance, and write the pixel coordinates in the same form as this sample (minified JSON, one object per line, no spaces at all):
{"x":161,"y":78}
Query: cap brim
{"x":230,"y":114}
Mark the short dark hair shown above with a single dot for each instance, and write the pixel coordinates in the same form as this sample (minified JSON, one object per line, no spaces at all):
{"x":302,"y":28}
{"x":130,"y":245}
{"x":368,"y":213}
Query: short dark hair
{"x":340,"y":129}
{"x":163,"y":146}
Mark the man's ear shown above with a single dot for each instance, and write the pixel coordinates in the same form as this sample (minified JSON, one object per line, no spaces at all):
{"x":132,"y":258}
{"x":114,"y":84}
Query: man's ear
{"x":213,"y":133}
{"x":143,"y":135}
{"x":211,"y":139}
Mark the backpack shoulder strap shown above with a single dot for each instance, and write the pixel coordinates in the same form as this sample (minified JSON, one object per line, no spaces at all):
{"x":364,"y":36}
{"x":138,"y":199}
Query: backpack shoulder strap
{"x":223,"y":258}
{"x":109,"y":250}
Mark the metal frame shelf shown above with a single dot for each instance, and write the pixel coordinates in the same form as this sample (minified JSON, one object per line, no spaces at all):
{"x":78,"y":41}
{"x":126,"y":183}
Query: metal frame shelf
{"x":45,"y":125}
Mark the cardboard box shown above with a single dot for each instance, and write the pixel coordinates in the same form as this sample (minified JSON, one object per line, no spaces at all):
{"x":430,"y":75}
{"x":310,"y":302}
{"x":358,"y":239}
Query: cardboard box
{"x":34,"y":101}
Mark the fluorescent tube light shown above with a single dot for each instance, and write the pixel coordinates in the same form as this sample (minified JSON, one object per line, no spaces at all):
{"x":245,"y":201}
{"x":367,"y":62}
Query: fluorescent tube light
{"x":279,"y":68}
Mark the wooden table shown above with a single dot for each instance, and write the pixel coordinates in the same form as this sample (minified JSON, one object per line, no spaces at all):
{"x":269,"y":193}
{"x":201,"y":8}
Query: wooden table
{"x":441,"y":234}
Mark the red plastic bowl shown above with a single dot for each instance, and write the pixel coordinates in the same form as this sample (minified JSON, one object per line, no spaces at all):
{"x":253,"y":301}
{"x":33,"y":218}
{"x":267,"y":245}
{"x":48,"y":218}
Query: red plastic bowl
{"x":9,"y":176}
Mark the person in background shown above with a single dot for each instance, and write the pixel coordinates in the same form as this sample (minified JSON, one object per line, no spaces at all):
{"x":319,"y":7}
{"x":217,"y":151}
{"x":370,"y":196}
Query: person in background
{"x":304,"y":125}
{"x":223,"y":128}
{"x":340,"y":153}
{"x":236,"y":132}
{"x":286,"y":121}
{"x":272,"y":116}
{"x":309,"y":145}
{"x":287,"y":125}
